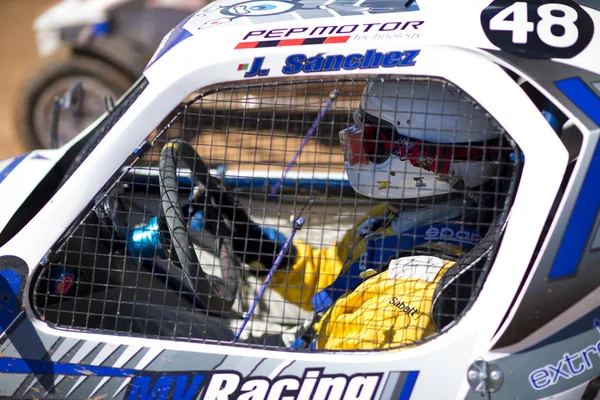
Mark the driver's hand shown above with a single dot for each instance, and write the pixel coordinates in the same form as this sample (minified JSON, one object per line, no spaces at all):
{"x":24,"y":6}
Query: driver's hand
{"x":262,"y":244}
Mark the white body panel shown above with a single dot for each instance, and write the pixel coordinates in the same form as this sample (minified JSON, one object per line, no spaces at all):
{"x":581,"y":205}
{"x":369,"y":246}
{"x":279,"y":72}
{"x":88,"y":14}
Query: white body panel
{"x":450,"y":42}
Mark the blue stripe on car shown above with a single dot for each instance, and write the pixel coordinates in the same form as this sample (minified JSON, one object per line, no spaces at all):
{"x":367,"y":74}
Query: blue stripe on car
{"x":587,"y":204}
{"x":10,"y":167}
{"x":178,"y":35}
{"x":10,"y":284}
{"x":409,"y":385}
{"x":25,"y":366}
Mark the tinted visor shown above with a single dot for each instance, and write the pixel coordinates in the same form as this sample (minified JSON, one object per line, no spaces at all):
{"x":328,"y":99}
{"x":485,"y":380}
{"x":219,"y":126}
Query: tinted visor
{"x":379,"y":137}
{"x":375,"y":140}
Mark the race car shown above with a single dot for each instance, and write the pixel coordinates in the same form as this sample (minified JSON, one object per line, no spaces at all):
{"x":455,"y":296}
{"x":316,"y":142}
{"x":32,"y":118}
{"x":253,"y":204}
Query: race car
{"x":321,"y":200}
{"x":105,"y":44}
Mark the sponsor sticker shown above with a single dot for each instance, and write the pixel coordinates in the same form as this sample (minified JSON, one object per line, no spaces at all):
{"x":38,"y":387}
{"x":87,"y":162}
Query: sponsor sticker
{"x":568,"y":366}
{"x":297,"y":63}
{"x":330,"y":34}
{"x":314,"y":384}
{"x":254,"y":69}
{"x":452,"y":234}
{"x":61,"y":282}
{"x":308,"y":383}
{"x":538,"y":29}
{"x":255,"y":11}
{"x":412,"y":312}
{"x":419,"y":181}
{"x":293,"y":42}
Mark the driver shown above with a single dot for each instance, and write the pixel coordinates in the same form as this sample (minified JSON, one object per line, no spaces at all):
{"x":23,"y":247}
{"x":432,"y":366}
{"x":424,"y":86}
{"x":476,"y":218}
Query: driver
{"x":430,"y":157}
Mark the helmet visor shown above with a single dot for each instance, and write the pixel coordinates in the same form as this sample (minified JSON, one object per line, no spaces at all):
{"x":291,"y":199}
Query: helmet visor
{"x":373,"y":140}
{"x":369,"y":139}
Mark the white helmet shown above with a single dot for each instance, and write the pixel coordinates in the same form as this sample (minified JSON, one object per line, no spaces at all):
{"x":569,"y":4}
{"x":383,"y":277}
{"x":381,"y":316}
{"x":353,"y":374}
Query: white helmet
{"x":418,"y":138}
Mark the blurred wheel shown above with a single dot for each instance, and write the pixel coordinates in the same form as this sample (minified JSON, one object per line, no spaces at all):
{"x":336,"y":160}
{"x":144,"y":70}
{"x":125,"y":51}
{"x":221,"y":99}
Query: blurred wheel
{"x":34,"y":111}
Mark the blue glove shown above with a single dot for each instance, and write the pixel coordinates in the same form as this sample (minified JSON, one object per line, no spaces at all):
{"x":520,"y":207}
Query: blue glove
{"x":278,"y":239}
{"x":197,"y":221}
{"x":262,"y":243}
{"x":274,"y":235}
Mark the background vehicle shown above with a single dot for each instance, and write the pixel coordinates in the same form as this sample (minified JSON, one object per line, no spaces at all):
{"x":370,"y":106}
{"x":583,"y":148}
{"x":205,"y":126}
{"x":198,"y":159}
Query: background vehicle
{"x":105,"y":44}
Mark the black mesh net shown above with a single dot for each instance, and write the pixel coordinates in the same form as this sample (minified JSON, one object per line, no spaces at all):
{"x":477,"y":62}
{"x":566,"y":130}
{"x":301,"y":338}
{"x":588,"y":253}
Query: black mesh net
{"x":239,"y":222}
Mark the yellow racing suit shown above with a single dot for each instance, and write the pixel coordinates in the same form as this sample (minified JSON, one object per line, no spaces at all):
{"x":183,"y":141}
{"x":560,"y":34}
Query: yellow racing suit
{"x":380,"y":303}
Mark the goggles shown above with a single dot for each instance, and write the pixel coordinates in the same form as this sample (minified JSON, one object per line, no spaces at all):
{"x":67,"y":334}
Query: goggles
{"x":373,"y":140}
{"x":369,"y":139}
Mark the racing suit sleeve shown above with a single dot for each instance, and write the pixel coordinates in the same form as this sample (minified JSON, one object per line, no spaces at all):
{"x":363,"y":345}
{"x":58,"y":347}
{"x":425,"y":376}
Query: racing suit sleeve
{"x":387,"y":310}
{"x":315,"y":269}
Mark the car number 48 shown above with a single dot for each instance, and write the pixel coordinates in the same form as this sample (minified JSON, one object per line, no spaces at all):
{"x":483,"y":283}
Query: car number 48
{"x":520,"y":25}
{"x":538,"y":29}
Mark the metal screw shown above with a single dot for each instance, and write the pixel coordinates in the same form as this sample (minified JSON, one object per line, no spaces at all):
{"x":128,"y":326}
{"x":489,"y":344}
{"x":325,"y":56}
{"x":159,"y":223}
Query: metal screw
{"x":472,"y":375}
{"x":485,"y":377}
{"x":495,"y":376}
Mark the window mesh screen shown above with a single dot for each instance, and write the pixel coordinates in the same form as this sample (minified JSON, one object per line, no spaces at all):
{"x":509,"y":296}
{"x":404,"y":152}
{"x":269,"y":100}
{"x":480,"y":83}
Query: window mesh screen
{"x":238,"y":223}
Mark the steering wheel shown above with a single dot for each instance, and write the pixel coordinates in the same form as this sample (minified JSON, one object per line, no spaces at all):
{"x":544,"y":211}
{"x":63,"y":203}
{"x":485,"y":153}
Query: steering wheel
{"x":167,"y":236}
{"x":214,"y":293}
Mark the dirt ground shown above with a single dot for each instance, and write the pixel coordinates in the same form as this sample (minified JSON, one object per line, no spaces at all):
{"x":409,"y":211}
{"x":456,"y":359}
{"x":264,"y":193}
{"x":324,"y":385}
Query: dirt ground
{"x":19,"y":61}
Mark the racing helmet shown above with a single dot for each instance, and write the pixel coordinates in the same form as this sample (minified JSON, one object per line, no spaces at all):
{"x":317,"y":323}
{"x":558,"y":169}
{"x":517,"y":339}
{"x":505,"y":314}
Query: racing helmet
{"x":418,"y":138}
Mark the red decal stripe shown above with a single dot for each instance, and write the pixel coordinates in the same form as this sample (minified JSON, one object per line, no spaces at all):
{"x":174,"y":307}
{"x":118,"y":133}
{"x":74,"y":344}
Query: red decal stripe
{"x":337,"y":39}
{"x":291,"y":42}
{"x":247,"y":45}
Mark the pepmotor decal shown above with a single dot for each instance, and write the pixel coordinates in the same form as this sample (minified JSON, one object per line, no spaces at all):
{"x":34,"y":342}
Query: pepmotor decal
{"x":328,"y":34}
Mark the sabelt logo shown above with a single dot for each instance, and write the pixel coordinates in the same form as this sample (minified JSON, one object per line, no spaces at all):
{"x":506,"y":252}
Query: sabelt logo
{"x":412,"y":312}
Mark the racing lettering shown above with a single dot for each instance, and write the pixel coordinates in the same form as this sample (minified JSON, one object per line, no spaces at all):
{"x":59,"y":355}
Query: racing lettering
{"x":390,"y":59}
{"x":183,"y":386}
{"x":347,"y":29}
{"x":221,"y":386}
{"x":295,"y":30}
{"x":353,"y":61}
{"x":412,"y":312}
{"x":256,"y":68}
{"x":230,"y":384}
{"x":254,"y":33}
{"x":371,"y":27}
{"x":409,"y":58}
{"x":312,"y":385}
{"x":322,"y":30}
{"x":274,"y":33}
{"x":414,"y":24}
{"x":450,"y":234}
{"x":297,"y":63}
{"x":390,"y":26}
{"x":568,"y":366}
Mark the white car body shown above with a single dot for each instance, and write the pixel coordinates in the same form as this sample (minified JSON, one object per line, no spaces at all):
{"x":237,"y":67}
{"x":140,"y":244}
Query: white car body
{"x":453,"y":45}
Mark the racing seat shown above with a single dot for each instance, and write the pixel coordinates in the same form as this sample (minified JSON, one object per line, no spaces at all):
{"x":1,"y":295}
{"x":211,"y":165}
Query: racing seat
{"x":459,"y":287}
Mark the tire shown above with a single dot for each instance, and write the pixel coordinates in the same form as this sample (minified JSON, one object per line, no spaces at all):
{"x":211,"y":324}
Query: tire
{"x":33,"y":112}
